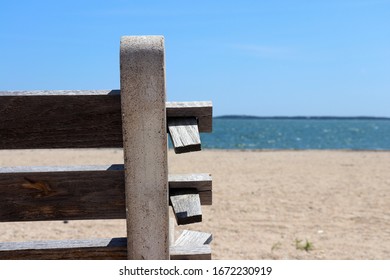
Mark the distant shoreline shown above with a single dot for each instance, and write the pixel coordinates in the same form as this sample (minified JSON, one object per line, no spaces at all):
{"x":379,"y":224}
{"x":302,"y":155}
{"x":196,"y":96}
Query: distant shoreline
{"x":246,"y":117}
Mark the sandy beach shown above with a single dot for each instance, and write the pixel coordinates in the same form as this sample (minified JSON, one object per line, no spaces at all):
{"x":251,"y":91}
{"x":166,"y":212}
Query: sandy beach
{"x":266,"y":204}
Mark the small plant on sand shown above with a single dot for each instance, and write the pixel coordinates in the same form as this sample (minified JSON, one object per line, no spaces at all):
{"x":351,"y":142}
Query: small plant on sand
{"x":300,"y":245}
{"x":276,"y":246}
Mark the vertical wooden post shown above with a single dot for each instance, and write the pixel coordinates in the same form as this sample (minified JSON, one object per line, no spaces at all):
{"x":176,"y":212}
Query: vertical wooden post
{"x":142,"y":74}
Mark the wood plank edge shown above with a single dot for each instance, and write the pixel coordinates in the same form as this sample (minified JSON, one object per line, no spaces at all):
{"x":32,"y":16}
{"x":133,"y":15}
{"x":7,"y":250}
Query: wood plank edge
{"x":114,"y":248}
{"x":188,"y":148}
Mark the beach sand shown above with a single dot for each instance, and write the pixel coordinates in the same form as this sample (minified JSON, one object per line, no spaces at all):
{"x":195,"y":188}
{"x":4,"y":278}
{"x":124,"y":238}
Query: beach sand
{"x":266,"y":204}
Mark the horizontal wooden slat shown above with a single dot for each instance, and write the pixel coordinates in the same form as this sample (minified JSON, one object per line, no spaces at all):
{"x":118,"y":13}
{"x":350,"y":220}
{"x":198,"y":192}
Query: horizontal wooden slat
{"x":184,"y":134}
{"x":191,"y":253}
{"x":201,"y":181}
{"x":95,"y":249}
{"x":22,"y":93}
{"x":75,"y":193}
{"x":64,"y":119}
{"x":75,"y":119}
{"x":202,"y":110}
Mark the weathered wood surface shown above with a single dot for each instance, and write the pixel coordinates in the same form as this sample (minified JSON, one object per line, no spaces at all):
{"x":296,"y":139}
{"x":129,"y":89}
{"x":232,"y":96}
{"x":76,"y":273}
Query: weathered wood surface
{"x":60,"y":121}
{"x":202,"y":110}
{"x":94,"y":249}
{"x":184,"y":134}
{"x":76,"y":192}
{"x":195,"y":242}
{"x":38,"y":194}
{"x":75,"y":119}
{"x":186,"y":206}
{"x":201,"y":181}
{"x":191,"y":253}
{"x":23,"y":93}
{"x":196,"y":238}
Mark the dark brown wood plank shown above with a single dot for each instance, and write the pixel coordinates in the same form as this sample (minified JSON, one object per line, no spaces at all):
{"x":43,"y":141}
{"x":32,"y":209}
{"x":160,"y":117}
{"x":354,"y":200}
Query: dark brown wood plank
{"x":43,"y":194}
{"x":75,"y":119}
{"x":184,"y":134}
{"x":75,"y":193}
{"x":186,"y":206}
{"x":64,"y":119}
{"x":94,"y":249}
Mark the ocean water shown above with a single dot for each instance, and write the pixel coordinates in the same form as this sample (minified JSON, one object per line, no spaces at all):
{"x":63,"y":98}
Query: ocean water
{"x":298,"y":134}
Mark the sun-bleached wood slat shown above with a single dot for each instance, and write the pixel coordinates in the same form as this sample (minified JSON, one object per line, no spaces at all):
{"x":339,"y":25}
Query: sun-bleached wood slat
{"x":191,"y":253}
{"x":201,"y":181}
{"x":193,"y":241}
{"x":186,"y":206}
{"x":202,"y":110}
{"x":76,"y":192}
{"x":75,"y":118}
{"x":94,"y":249}
{"x":191,"y":237}
{"x":184,"y":134}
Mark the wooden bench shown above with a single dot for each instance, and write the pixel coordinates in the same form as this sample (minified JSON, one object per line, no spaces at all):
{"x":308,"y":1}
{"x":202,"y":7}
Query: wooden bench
{"x":137,"y":118}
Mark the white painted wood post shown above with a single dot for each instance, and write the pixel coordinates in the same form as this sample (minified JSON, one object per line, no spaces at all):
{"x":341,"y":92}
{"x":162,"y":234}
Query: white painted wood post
{"x":142,"y":74}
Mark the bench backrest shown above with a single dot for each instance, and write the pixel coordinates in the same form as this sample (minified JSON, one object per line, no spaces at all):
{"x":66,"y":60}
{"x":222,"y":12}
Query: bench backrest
{"x":136,"y":118}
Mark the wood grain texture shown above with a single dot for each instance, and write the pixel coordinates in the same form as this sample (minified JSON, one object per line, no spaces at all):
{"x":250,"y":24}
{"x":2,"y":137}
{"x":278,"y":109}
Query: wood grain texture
{"x":39,"y":194}
{"x":201,"y":182}
{"x":195,"y":242}
{"x":184,"y":134}
{"x":195,"y":238}
{"x":191,"y":253}
{"x":76,"y":192}
{"x":60,"y":121}
{"x":94,"y":249}
{"x":186,"y":206}
{"x":75,"y":119}
{"x":202,"y":110}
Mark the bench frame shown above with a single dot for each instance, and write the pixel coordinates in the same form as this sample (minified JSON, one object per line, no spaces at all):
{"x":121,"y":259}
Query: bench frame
{"x":138,"y":118}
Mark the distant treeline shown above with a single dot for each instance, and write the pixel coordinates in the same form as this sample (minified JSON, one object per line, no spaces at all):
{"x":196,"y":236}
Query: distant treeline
{"x":301,"y":117}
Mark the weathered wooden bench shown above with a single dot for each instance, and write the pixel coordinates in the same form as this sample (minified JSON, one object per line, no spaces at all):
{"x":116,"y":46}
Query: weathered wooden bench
{"x":137,"y":118}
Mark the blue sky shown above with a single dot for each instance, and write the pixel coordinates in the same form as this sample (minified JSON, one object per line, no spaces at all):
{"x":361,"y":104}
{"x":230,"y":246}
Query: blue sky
{"x":261,"y":58}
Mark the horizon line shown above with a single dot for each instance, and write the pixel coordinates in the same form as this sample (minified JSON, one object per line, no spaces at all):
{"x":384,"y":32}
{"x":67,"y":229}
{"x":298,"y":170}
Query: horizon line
{"x":299,"y":117}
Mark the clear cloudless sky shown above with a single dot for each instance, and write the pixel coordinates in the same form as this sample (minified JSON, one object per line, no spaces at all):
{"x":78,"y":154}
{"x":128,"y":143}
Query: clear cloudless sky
{"x":265,"y":58}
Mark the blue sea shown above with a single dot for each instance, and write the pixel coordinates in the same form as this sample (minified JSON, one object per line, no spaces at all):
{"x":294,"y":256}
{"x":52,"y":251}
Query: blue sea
{"x":298,"y":134}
